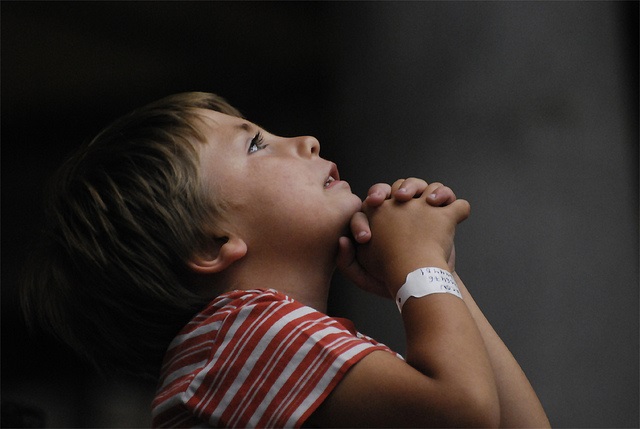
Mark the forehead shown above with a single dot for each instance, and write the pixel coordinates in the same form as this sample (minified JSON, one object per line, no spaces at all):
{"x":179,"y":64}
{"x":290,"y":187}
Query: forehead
{"x":220,"y":126}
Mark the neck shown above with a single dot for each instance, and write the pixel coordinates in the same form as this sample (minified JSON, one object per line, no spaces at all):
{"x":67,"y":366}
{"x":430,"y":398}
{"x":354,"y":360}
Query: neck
{"x":307,"y":280}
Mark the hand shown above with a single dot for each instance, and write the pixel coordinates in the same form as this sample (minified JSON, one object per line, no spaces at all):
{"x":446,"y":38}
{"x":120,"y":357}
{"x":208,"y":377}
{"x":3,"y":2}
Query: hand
{"x":402,"y":190}
{"x":407,"y":235}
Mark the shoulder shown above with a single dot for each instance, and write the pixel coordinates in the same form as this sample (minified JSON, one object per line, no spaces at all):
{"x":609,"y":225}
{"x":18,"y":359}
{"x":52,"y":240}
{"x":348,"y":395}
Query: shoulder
{"x":262,"y":344}
{"x":266,"y":322}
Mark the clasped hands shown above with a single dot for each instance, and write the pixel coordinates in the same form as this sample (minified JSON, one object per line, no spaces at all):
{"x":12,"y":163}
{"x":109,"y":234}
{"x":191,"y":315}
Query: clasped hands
{"x":402,"y":227}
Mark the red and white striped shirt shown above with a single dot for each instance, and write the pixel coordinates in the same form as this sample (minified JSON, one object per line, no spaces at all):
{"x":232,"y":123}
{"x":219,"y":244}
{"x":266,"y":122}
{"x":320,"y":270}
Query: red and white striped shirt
{"x":255,"y":359}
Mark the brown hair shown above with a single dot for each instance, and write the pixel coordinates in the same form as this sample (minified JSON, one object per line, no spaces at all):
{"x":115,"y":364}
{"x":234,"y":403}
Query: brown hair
{"x":123,"y":214}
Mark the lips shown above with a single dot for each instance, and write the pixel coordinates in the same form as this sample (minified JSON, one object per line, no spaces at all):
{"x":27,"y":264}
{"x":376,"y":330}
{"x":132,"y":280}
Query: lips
{"x":333,"y":177}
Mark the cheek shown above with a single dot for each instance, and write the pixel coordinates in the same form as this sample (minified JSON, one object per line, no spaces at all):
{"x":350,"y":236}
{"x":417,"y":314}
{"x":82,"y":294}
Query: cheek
{"x":288,"y":204}
{"x":265,"y":207}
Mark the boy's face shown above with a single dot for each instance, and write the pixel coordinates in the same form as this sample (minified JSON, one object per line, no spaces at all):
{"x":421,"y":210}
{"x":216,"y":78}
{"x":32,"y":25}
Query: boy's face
{"x":281,"y":195}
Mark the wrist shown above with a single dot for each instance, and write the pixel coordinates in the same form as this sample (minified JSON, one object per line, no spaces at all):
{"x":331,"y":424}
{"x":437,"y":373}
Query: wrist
{"x":427,"y":281}
{"x":398,"y":274}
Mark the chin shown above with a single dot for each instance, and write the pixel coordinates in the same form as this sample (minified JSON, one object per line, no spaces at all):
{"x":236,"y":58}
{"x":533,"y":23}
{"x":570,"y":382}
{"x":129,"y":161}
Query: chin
{"x":356,"y":203}
{"x":349,"y":212}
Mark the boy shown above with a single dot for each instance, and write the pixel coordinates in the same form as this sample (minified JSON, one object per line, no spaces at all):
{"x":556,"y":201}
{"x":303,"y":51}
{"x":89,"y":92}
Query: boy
{"x":185,"y":231}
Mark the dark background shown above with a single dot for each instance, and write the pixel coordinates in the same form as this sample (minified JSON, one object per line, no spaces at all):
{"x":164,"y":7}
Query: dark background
{"x":527,"y":109}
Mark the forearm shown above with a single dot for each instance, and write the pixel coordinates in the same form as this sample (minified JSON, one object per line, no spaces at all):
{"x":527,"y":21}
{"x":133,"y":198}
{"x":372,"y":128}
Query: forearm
{"x":519,"y":404}
{"x":444,"y":343}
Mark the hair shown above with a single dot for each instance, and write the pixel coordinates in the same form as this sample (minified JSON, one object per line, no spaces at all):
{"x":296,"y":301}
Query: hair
{"x":122,"y":216}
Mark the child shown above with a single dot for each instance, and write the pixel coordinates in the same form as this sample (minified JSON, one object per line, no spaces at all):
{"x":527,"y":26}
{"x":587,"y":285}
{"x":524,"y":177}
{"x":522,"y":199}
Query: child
{"x":185,"y":234}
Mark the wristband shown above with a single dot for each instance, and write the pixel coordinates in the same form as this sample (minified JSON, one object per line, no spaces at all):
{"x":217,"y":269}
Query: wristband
{"x":425,"y":281}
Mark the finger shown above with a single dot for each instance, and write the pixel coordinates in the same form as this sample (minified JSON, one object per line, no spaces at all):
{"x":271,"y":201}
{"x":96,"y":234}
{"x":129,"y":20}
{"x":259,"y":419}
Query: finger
{"x":440,"y":195}
{"x":350,"y":268}
{"x":396,"y":185}
{"x":360,"y":227}
{"x":460,"y":210}
{"x":377,"y":194}
{"x":346,"y":254}
{"x":410,"y":188}
{"x":347,"y":263}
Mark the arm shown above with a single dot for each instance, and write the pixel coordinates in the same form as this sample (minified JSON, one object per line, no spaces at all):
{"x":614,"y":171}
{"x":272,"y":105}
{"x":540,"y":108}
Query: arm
{"x":447,"y":379}
{"x":519,"y":404}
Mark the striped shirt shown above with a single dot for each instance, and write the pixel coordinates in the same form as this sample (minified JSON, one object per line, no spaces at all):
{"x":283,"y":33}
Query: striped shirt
{"x":255,"y":359}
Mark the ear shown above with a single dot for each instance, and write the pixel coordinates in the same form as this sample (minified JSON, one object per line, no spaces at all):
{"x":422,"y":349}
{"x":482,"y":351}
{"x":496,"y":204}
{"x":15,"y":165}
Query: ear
{"x":218,"y":256}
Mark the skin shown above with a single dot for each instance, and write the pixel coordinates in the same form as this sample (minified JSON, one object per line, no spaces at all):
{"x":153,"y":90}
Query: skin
{"x":519,"y":404}
{"x":286,"y":223}
{"x":291,"y":231}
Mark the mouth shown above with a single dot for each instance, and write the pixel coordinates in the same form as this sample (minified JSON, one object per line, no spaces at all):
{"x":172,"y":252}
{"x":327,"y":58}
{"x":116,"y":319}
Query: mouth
{"x":333,"y":176}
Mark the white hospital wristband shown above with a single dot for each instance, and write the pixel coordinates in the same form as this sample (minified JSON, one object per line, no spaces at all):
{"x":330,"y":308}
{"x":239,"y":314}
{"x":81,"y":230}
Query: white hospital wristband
{"x":425,"y":281}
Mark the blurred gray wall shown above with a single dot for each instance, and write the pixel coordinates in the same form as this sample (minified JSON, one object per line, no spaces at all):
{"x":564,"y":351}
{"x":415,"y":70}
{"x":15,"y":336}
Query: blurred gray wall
{"x":528,"y":110}
{"x":524,"y":110}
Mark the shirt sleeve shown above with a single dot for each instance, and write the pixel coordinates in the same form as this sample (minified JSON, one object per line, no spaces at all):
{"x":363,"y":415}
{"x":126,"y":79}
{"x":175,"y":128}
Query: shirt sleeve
{"x":274,"y":362}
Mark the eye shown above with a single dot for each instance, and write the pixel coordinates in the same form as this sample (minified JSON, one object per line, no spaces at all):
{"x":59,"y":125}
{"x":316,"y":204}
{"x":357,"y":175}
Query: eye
{"x":257,"y":143}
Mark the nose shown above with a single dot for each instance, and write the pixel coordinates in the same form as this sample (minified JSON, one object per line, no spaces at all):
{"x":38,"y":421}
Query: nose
{"x":307,"y":146}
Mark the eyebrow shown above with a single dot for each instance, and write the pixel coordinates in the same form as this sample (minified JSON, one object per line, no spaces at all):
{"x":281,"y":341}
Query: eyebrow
{"x":244,"y":127}
{"x":248,"y":127}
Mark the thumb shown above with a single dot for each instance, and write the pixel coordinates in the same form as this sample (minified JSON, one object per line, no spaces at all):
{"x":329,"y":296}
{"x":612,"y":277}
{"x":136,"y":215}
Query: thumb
{"x":347,"y":263}
{"x":460,"y":210}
